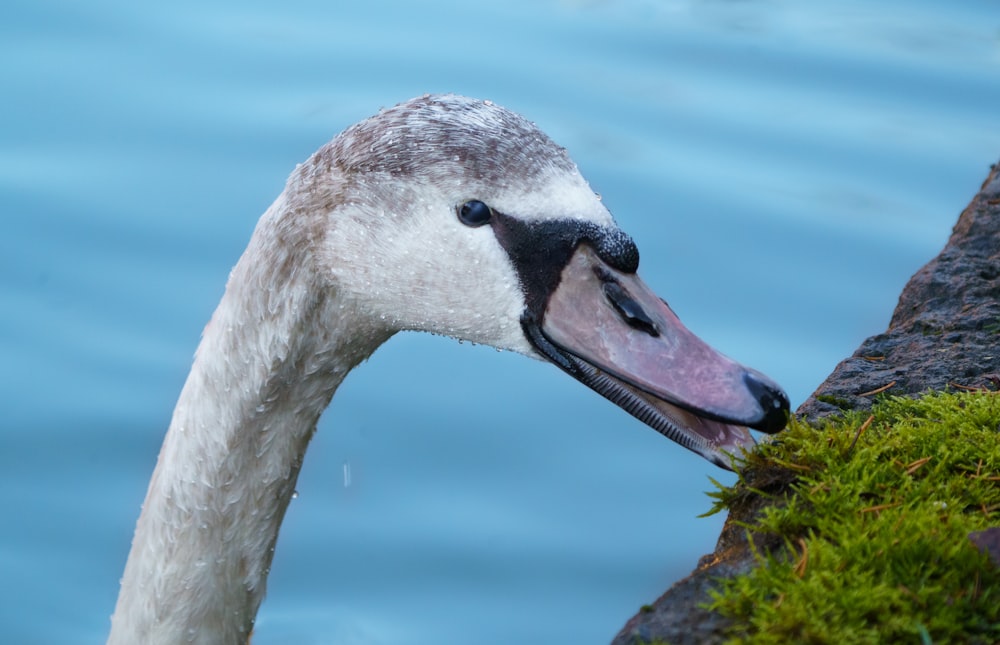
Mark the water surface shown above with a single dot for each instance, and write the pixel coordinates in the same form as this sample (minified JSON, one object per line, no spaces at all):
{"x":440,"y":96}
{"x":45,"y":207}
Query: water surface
{"x":784,"y":169}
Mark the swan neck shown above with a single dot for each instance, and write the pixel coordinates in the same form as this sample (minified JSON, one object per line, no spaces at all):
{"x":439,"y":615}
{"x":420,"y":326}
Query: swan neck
{"x":276,"y":348}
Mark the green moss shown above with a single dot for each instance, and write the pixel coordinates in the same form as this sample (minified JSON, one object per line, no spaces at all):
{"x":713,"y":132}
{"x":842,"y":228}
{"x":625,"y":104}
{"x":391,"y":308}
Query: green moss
{"x":875,"y":529}
{"x":843,"y":404}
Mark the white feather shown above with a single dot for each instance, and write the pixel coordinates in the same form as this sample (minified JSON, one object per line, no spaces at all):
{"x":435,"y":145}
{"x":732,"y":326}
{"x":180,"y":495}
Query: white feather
{"x":363,"y":242}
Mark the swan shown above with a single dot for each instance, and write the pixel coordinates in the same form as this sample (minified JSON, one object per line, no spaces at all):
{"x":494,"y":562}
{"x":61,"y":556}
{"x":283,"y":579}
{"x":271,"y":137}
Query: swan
{"x":442,"y":214}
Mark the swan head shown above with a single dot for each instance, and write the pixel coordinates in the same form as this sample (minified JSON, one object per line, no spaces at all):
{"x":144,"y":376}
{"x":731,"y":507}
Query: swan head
{"x":459,"y":217}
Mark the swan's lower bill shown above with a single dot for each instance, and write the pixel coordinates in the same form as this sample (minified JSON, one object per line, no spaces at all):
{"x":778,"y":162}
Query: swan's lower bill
{"x":609,"y":330}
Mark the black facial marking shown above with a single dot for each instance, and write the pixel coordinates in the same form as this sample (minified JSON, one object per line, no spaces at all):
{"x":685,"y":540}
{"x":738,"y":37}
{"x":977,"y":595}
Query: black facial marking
{"x":474,"y":213}
{"x":616,"y":248}
{"x":540,"y":251}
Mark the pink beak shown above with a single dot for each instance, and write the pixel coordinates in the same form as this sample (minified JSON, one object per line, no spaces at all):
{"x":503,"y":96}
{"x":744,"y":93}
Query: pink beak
{"x":610,"y":331}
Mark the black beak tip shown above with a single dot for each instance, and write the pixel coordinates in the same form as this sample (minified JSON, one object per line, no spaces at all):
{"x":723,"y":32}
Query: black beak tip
{"x":772,"y":399}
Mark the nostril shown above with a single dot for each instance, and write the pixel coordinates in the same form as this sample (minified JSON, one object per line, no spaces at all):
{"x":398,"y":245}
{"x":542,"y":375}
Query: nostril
{"x":772,"y":399}
{"x":630,"y":310}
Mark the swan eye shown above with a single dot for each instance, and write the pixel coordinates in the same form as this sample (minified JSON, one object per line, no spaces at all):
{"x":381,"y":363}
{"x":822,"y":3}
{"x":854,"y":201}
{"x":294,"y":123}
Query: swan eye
{"x":474,"y":213}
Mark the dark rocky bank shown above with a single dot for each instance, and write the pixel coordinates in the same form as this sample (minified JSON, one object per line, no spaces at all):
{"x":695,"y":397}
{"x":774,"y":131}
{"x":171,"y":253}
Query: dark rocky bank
{"x":944,"y":334}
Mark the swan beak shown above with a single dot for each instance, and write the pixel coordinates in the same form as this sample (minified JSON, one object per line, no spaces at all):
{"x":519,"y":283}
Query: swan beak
{"x":612,"y":332}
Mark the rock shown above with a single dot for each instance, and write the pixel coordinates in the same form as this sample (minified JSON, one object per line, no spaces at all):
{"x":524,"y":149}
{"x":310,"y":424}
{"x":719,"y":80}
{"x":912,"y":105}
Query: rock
{"x":944,"y":333}
{"x":988,"y":541}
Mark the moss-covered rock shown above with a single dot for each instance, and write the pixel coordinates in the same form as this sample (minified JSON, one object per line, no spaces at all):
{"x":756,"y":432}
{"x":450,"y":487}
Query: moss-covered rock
{"x":814,"y":568}
{"x":875,"y":526}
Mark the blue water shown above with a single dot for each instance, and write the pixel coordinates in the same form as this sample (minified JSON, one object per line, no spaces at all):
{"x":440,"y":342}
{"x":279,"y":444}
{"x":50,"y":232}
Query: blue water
{"x":784,"y":169}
